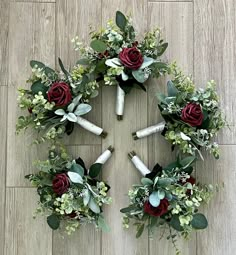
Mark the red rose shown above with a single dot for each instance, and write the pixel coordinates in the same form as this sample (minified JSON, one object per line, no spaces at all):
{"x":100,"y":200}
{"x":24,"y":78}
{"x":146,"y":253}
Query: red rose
{"x":192,"y":114}
{"x":59,"y":93}
{"x":156,"y":211}
{"x":60,"y":184}
{"x":131,"y":58}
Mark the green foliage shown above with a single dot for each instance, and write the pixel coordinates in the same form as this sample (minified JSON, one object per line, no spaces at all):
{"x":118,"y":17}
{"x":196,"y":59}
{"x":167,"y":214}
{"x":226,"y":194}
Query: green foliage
{"x":53,"y":221}
{"x":98,"y":45}
{"x":199,"y":221}
{"x":121,"y":20}
{"x":95,"y":170}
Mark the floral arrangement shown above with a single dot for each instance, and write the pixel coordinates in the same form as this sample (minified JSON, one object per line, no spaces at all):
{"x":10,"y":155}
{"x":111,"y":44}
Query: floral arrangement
{"x":119,"y":59}
{"x":168,"y":199}
{"x":55,"y":102}
{"x":192,"y":116}
{"x":69,"y":193}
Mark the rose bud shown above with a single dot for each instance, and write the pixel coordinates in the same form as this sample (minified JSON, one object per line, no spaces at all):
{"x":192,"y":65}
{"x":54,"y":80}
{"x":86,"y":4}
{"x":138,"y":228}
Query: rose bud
{"x":60,"y":183}
{"x":131,"y":58}
{"x":192,"y":114}
{"x":59,"y":93}
{"x":156,"y":211}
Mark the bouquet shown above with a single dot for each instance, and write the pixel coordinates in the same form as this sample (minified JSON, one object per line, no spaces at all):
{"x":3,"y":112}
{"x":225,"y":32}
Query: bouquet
{"x":56,"y":101}
{"x":192,"y":116}
{"x":168,"y":199}
{"x":119,"y":59}
{"x":69,"y":192}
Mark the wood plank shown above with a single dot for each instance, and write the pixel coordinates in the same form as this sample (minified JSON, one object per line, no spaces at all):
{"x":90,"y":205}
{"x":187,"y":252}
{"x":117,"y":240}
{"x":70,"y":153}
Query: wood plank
{"x":74,"y":18}
{"x":176,"y":22}
{"x":25,"y":235}
{"x":4,"y":18}
{"x":87,"y":240}
{"x":215,"y":54}
{"x":35,"y":1}
{"x":220,"y":236}
{"x":121,"y":173}
{"x":3,"y":136}
{"x":28,"y":23}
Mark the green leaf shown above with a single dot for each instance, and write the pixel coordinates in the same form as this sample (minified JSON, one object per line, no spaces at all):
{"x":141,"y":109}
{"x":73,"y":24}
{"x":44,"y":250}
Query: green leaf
{"x":77,"y":169}
{"x":86,"y":197}
{"x":164,"y":182}
{"x":98,"y":45}
{"x":75,"y":178}
{"x":154,"y":199}
{"x":101,"y":66}
{"x":175,"y":223}
{"x":49,"y":71}
{"x":139,"y":75}
{"x":172,"y":90}
{"x":39,"y":86}
{"x":146,"y":181}
{"x":67,"y":74}
{"x":163,"y":49}
{"x":39,"y":64}
{"x":94,"y":206}
{"x":121,"y":20}
{"x":83,"y":61}
{"x":53,"y":221}
{"x":102,"y":224}
{"x":161,"y":194}
{"x":199,"y":221}
{"x":95,"y":170}
{"x":186,"y":162}
{"x":128,"y":209}
{"x":171,"y":166}
{"x":140,"y":229}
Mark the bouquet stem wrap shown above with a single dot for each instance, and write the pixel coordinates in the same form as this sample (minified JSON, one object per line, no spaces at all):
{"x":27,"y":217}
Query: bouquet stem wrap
{"x":120,"y":102}
{"x":138,"y":163}
{"x":102,"y":159}
{"x":149,"y":130}
{"x":91,"y":127}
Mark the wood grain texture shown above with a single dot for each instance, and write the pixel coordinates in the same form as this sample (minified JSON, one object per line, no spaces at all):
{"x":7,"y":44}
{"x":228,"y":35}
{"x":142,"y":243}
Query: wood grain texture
{"x":176,"y":22}
{"x":220,"y":236}
{"x":215,"y":54}
{"x":3,"y":163}
{"x":31,"y":36}
{"x":87,"y":240}
{"x":74,"y":18}
{"x":25,"y":235}
{"x":4,"y":16}
{"x":122,"y":174}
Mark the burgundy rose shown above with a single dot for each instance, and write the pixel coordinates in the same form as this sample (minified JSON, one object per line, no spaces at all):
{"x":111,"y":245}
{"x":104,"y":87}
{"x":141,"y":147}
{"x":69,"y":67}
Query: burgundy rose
{"x":60,"y":184}
{"x":156,"y":211}
{"x":59,"y":93}
{"x":131,"y":58}
{"x":192,"y":114}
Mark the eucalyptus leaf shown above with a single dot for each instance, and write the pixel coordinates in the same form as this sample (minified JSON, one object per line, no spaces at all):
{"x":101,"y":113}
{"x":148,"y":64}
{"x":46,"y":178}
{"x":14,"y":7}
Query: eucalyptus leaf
{"x":199,"y":221}
{"x":175,"y":223}
{"x":186,"y":162}
{"x":94,"y":206}
{"x":37,"y":87}
{"x":39,"y":64}
{"x":128,"y":209}
{"x":75,"y":178}
{"x":53,"y":221}
{"x":140,"y":230}
{"x":77,"y":169}
{"x":98,"y":45}
{"x":83,"y":61}
{"x":164,"y":182}
{"x":154,"y":199}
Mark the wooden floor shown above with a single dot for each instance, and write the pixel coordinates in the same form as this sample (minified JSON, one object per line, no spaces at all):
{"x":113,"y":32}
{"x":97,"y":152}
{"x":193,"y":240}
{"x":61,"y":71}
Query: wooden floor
{"x":202,"y":37}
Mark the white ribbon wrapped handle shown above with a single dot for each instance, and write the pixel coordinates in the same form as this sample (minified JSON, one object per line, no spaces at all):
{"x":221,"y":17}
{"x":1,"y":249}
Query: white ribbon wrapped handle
{"x":90,"y":127}
{"x":138,"y":163}
{"x":102,"y":159}
{"x":120,"y":102}
{"x":149,"y":130}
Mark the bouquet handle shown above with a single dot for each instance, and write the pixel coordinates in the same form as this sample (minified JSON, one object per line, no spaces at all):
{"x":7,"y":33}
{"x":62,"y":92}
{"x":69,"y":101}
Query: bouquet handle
{"x":120,"y":102}
{"x":91,"y":127}
{"x":102,"y":159}
{"x":138,"y":163}
{"x":149,"y":130}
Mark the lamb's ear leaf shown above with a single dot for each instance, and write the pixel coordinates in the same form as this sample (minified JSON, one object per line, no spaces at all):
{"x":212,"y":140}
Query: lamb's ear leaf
{"x":53,"y":221}
{"x":172,"y":90}
{"x":102,"y":224}
{"x":94,"y":206}
{"x":121,"y":20}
